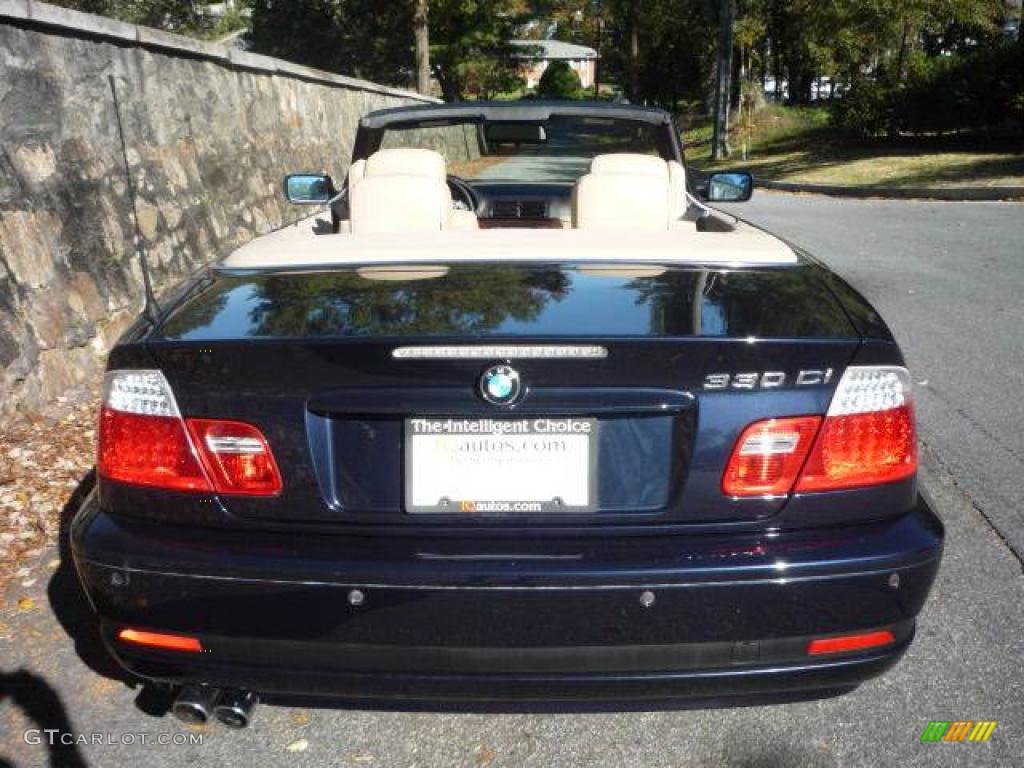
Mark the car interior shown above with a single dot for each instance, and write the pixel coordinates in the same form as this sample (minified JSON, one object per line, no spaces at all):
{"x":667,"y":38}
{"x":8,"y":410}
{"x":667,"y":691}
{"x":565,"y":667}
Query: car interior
{"x":409,"y":190}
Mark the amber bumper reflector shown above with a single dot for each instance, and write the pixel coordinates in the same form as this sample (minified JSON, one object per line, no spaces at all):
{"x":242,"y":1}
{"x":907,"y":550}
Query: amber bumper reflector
{"x":160,"y":640}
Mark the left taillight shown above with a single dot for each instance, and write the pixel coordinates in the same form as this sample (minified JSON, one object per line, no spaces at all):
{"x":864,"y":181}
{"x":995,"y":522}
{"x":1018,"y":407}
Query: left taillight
{"x":143,"y":440}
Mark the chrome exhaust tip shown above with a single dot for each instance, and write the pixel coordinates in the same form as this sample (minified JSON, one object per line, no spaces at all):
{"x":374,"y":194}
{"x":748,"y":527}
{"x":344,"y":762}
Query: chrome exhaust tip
{"x":234,"y":708}
{"x":194,"y":704}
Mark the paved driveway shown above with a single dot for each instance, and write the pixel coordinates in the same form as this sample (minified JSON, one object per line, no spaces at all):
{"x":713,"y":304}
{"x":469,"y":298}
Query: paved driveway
{"x":945,"y":277}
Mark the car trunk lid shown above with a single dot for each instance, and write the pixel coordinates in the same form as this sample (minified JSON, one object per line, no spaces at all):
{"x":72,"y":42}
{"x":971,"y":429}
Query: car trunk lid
{"x":686,"y":359}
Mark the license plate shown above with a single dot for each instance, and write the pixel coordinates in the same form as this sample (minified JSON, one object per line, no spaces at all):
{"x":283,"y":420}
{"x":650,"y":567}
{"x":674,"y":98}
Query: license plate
{"x":500,"y":466}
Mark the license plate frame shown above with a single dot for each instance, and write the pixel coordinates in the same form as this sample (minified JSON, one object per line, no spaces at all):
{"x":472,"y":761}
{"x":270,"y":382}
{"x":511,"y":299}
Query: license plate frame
{"x":549,"y":469}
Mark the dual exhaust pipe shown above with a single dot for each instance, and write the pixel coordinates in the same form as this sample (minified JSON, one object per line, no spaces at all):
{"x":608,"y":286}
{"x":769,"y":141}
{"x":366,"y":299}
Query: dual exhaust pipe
{"x":198,"y":704}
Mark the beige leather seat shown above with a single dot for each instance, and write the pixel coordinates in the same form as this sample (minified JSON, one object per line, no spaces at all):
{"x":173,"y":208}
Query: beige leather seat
{"x":627,"y":191}
{"x":403,"y":190}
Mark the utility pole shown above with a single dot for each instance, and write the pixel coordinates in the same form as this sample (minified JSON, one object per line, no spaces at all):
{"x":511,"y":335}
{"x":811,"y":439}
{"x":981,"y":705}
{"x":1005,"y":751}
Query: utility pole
{"x":422,"y":31}
{"x":723,"y":76}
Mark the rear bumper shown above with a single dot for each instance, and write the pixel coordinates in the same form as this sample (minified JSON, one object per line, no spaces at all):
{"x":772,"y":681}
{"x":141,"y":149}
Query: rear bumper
{"x":543,"y":620}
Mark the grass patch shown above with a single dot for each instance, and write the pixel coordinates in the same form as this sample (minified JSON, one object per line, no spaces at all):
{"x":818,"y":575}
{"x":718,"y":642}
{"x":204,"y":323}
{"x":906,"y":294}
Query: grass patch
{"x":796,"y":144}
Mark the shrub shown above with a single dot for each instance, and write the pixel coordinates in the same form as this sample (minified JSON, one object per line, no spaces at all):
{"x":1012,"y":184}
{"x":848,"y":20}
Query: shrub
{"x":865,"y":109}
{"x":559,"y":81}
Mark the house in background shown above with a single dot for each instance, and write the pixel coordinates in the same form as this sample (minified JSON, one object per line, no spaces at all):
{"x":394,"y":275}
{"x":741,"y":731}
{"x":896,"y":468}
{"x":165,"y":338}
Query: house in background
{"x":536,"y":55}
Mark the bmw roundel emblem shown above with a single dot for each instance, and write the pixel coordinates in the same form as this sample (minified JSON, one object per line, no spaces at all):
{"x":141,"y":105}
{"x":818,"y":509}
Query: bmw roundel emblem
{"x":500,"y":384}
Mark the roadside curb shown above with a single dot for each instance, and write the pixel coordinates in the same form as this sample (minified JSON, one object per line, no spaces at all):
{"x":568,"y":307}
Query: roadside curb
{"x":960,"y":194}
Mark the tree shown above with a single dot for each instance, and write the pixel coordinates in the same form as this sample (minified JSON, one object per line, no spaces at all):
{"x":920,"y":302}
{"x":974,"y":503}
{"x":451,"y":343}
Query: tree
{"x":559,"y":81}
{"x":470,"y":47}
{"x":723,"y":80}
{"x":469,"y":53}
{"x":422,"y":29}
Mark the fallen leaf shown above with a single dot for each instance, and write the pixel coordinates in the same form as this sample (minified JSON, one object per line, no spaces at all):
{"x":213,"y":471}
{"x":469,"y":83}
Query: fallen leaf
{"x":298,"y":746}
{"x":484,"y":755}
{"x":26,"y":604}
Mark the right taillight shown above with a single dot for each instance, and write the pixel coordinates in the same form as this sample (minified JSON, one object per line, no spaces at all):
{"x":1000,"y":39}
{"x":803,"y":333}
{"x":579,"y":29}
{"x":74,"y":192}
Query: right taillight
{"x":866,"y":438}
{"x":868,"y":435}
{"x":143,"y":440}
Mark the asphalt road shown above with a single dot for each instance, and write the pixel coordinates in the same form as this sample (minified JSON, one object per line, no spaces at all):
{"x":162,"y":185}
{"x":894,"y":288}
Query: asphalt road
{"x":944,"y":275}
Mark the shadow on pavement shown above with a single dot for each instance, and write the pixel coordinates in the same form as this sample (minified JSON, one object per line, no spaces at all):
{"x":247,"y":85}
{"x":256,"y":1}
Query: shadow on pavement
{"x":71,"y":607}
{"x":41,"y":704}
{"x":68,"y":601}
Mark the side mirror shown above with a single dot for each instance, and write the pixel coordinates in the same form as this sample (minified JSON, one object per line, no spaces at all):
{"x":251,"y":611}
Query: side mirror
{"x":730,"y":187}
{"x":308,"y":188}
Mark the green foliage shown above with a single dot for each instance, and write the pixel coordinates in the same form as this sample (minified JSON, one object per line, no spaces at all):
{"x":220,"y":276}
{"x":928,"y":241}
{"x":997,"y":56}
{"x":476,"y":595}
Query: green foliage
{"x":232,"y":21}
{"x":865,"y":110}
{"x":894,"y":65}
{"x":559,"y":81}
{"x":186,"y":16}
{"x":360,"y":38}
{"x":469,"y":50}
{"x":979,"y":91}
{"x":675,"y":48}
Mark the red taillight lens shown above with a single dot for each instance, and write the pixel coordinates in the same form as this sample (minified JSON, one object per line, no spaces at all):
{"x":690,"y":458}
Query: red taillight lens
{"x":144,"y":441}
{"x":847,"y":643}
{"x":862,"y":449}
{"x":866,"y":438}
{"x":768,"y":456}
{"x":237,"y":457}
{"x":148,"y":450}
{"x":160,"y":640}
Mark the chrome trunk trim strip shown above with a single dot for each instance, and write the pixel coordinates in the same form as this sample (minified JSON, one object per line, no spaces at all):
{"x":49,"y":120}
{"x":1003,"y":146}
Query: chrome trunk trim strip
{"x":502,"y":352}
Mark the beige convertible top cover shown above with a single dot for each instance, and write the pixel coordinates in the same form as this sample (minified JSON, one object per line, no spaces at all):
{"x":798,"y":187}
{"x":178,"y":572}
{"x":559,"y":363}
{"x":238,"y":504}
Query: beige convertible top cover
{"x":301,"y":247}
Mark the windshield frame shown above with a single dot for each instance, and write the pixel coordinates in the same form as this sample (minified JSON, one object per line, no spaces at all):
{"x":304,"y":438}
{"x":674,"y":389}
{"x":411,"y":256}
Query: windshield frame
{"x":372,"y":128}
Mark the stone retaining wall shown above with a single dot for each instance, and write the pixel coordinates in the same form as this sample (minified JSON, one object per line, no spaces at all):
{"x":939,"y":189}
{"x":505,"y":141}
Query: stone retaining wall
{"x":210,"y":134}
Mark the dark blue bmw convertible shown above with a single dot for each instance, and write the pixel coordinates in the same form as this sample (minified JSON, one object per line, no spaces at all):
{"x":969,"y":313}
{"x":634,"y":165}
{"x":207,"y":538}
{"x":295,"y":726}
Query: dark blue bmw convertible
{"x":516,"y":415}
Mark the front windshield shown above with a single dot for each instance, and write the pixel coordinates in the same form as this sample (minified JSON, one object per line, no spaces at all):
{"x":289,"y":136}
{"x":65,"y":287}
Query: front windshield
{"x":558,"y":150}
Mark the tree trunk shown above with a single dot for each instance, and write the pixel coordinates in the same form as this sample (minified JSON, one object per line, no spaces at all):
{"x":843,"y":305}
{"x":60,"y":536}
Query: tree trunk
{"x":422,"y":30}
{"x":764,"y":63}
{"x":901,"y":62}
{"x":634,"y":52}
{"x":720,"y":137}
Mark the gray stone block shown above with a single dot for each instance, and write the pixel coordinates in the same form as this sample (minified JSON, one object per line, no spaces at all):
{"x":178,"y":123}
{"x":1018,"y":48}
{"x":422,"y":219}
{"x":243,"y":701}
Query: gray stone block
{"x":87,"y":23}
{"x":14,"y":9}
{"x":253,"y":61}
